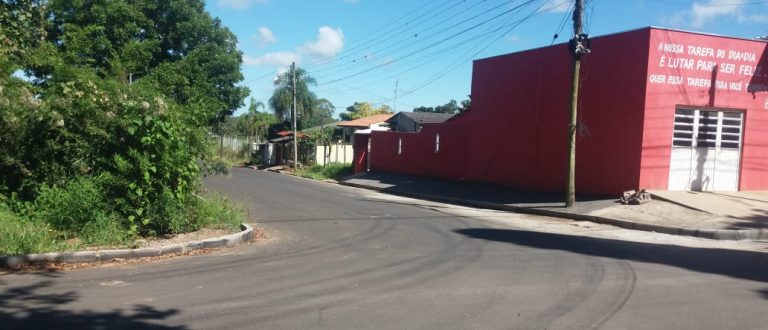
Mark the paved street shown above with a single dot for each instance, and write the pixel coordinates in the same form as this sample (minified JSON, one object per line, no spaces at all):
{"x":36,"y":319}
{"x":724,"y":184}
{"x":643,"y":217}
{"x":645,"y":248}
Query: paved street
{"x":346,"y":258}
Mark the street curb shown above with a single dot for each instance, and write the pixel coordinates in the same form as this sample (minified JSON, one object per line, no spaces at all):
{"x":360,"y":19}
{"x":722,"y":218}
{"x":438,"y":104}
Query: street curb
{"x":716,"y":234}
{"x":245,"y":235}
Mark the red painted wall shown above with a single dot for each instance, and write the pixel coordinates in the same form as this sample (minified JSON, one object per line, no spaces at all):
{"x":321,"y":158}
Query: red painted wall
{"x":360,"y":153}
{"x":516,"y":131}
{"x":736,"y":62}
{"x":418,"y":155}
{"x":521,"y":102}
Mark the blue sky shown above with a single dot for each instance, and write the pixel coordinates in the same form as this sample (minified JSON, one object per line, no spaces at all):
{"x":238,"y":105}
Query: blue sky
{"x":410,"y":53}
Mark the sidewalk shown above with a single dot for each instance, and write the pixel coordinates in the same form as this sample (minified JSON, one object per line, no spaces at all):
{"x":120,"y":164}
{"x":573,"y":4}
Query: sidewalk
{"x":724,"y":216}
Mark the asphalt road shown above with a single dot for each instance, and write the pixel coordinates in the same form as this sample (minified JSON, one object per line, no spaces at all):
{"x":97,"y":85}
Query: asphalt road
{"x":344,"y":258}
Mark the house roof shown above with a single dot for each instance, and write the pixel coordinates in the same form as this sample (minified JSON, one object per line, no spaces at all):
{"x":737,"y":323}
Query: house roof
{"x":426,"y":117}
{"x":364,"y":122}
{"x":287,"y":133}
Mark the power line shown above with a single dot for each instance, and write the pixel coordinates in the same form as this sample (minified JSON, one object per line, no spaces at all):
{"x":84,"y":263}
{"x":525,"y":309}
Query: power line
{"x":435,"y":43}
{"x":408,"y":42}
{"x":461,"y":61}
{"x":563,"y":21}
{"x":386,"y":35}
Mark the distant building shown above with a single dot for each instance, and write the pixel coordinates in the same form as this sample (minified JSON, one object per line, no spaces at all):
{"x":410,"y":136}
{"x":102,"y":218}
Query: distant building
{"x":367,"y":124}
{"x":658,"y":109}
{"x":412,"y":121}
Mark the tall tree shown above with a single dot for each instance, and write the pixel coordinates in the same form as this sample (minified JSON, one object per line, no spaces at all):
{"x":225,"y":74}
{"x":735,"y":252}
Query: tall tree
{"x":259,"y":122}
{"x":22,"y":27}
{"x":282,"y":97}
{"x":173,"y":46}
{"x":465,"y":105}
{"x":451,"y":107}
{"x":322,"y":114}
{"x":364,"y":109}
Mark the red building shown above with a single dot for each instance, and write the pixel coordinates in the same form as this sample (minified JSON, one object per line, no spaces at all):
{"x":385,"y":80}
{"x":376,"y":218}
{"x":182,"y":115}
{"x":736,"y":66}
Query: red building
{"x":658,"y":109}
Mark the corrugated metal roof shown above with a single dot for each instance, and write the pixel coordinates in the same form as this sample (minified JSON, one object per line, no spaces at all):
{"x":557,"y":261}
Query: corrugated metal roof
{"x":427,"y":117}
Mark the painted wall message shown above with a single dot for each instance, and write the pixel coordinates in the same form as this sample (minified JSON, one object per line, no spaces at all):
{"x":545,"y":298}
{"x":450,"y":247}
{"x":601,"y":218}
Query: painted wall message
{"x":700,"y":66}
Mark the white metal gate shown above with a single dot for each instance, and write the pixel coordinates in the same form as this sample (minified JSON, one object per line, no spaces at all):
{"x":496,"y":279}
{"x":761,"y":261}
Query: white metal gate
{"x":706,"y":149}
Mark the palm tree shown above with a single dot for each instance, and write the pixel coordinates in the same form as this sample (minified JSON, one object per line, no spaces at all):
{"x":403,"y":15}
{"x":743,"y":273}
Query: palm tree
{"x":281,"y":99}
{"x":253,"y":125}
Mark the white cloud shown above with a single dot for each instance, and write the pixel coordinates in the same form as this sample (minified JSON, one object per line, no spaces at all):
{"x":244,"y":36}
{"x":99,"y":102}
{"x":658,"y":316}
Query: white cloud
{"x":239,"y":4}
{"x":329,"y":43}
{"x":279,"y":59}
{"x":702,"y":13}
{"x":264,"y":36}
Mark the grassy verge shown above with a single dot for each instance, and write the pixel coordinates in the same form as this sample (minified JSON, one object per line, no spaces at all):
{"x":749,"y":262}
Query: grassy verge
{"x":40,"y":232}
{"x":18,"y":236}
{"x":331,"y":171}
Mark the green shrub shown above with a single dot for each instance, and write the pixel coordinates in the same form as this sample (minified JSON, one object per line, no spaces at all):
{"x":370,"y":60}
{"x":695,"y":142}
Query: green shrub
{"x":71,"y":206}
{"x":79,"y":210}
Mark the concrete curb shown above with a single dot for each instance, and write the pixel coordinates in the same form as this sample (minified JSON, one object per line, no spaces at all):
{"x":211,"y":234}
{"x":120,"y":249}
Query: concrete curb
{"x":245,"y":235}
{"x":717,"y":234}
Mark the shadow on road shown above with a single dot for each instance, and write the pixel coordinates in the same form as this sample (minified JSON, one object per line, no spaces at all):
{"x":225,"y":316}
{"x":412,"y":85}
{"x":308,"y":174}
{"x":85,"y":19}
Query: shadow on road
{"x":27,"y":307}
{"x":737,"y":264}
{"x":758,"y":220}
{"x":763,"y":293}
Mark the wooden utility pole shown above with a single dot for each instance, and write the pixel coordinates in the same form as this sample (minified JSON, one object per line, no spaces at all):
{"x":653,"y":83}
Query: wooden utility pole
{"x":293,"y":115}
{"x":578,"y":47}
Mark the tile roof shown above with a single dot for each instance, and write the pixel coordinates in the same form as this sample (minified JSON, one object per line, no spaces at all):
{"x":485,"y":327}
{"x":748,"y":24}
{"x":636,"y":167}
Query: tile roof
{"x":365,"y":122}
{"x":286,"y":133}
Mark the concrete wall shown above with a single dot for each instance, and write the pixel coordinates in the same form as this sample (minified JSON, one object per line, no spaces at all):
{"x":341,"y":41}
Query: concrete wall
{"x":335,"y":153}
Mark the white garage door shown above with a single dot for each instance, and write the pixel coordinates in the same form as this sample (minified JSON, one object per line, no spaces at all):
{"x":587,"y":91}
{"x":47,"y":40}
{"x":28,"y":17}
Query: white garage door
{"x":706,"y":149}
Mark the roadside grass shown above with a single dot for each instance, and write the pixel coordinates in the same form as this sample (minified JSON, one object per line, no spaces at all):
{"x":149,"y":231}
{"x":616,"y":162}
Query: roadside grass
{"x":42,"y":231}
{"x":19,"y":236}
{"x":333,"y":171}
{"x":217,"y":212}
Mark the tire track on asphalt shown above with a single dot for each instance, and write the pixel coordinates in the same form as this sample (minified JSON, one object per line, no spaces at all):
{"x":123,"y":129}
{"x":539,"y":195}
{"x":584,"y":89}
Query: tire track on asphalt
{"x":455,"y":254}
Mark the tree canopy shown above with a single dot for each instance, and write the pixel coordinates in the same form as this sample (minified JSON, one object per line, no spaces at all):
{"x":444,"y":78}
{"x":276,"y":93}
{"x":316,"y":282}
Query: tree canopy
{"x":364,"y":109}
{"x":282,"y":97}
{"x":322,"y":114}
{"x":451,"y":107}
{"x":173,"y":47}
